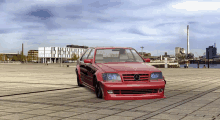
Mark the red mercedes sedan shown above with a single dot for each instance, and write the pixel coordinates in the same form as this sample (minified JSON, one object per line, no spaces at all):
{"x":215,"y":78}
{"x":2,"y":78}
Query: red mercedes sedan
{"x":118,"y":73}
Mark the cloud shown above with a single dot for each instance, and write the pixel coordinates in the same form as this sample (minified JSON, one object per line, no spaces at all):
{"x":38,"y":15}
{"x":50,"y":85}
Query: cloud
{"x":197,"y":6}
{"x":3,"y":31}
{"x":135,"y":31}
{"x":43,"y":14}
{"x":165,"y":24}
{"x":192,"y":22}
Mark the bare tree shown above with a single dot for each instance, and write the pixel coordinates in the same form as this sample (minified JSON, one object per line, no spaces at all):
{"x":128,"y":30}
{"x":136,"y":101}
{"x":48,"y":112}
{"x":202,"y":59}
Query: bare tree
{"x":74,"y":57}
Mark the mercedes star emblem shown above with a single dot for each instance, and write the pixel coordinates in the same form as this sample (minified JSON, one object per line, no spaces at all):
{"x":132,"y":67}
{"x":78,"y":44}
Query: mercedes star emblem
{"x":136,"y":77}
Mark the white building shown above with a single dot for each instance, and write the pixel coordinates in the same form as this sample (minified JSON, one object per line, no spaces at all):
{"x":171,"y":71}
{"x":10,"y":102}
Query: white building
{"x":54,"y":54}
{"x":179,"y":50}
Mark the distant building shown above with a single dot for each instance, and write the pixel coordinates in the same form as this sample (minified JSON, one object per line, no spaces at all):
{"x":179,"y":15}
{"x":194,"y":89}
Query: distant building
{"x":9,"y":56}
{"x":141,"y":53}
{"x":201,"y":57}
{"x":33,"y":55}
{"x":211,"y":51}
{"x":179,"y":50}
{"x":76,"y":46}
{"x":54,"y":54}
{"x":165,"y":54}
{"x":190,"y":56}
{"x":147,"y":54}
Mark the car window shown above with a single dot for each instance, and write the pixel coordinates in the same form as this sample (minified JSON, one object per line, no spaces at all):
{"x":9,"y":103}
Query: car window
{"x":137,"y":57}
{"x":91,"y":55}
{"x":82,"y":54}
{"x":85,"y":55}
{"x":117,"y":55}
{"x":129,"y":54}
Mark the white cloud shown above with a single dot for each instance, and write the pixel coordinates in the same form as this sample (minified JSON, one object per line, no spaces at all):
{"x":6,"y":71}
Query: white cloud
{"x":148,"y":30}
{"x":197,"y":6}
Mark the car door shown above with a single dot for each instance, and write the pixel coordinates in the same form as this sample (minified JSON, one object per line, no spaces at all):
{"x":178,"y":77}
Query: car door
{"x":90,"y":68}
{"x":83,"y":70}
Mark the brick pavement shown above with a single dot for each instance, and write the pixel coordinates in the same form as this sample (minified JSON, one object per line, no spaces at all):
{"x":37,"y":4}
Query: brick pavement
{"x":39,"y":92}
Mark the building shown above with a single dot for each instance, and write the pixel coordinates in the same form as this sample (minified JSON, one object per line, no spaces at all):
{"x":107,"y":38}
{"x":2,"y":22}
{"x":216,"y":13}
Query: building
{"x":33,"y":55}
{"x":54,"y":54}
{"x":211,"y":52}
{"x":190,"y":56}
{"x":144,"y":53}
{"x":179,"y":50}
{"x":76,"y":46}
{"x":7,"y":56}
{"x":147,"y":54}
{"x":201,"y":57}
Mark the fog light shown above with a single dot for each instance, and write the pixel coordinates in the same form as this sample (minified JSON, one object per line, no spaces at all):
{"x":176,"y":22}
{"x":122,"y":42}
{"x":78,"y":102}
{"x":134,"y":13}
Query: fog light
{"x":110,"y":92}
{"x":160,"y":90}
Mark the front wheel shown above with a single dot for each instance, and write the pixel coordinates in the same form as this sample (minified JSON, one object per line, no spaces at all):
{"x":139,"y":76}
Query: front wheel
{"x":98,"y":91}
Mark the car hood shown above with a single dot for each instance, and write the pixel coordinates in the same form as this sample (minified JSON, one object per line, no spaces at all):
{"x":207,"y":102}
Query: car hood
{"x":114,"y":67}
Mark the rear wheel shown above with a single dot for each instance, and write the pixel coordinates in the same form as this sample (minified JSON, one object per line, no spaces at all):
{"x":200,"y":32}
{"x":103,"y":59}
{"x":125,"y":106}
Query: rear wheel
{"x":98,"y":91}
{"x":78,"y":82}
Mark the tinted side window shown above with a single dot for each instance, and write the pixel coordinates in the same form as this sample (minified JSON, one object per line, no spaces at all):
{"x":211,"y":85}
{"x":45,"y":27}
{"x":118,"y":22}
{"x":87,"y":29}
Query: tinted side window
{"x":85,"y":55}
{"x":91,"y":55}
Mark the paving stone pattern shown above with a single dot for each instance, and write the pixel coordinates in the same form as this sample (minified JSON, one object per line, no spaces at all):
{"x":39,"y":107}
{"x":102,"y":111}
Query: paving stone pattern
{"x":41,"y":92}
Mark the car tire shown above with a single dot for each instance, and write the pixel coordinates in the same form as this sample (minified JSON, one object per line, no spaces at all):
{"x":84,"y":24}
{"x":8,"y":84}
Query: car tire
{"x":98,"y":91}
{"x":78,"y":82}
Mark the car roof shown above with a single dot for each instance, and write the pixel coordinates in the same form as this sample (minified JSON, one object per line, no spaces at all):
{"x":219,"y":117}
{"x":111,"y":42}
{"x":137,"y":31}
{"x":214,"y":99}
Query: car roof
{"x":110,"y":47}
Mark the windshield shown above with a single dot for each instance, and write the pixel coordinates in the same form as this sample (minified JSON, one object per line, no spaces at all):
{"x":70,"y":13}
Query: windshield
{"x":117,"y":55}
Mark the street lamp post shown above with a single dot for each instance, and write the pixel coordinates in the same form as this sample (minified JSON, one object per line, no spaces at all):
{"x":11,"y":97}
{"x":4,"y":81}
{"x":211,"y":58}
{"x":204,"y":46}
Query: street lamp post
{"x":61,"y":59}
{"x":208,"y":58}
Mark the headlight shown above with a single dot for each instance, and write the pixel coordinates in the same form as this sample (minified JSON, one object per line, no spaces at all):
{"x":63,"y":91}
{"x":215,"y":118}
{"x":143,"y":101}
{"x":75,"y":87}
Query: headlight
{"x":156,"y":76}
{"x":111,"y":77}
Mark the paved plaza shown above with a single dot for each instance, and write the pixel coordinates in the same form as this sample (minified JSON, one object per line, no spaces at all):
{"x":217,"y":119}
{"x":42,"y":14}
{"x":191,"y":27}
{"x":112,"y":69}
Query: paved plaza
{"x":41,"y":92}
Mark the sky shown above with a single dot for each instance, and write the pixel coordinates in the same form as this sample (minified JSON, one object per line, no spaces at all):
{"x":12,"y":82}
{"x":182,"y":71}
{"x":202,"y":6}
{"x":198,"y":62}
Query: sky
{"x":157,"y":25}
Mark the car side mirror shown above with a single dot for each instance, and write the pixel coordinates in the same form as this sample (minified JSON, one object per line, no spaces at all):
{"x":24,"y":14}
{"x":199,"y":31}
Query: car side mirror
{"x":87,"y":60}
{"x":147,"y":60}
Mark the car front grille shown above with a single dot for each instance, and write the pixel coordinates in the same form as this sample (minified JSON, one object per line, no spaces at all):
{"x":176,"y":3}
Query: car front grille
{"x":145,"y":91}
{"x":130,"y":77}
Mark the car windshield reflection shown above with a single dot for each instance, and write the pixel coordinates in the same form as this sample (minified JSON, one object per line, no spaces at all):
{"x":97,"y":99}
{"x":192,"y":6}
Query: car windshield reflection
{"x":117,"y":55}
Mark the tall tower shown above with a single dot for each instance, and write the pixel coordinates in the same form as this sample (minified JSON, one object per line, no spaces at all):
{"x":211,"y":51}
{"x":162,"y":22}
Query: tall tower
{"x":187,"y":39}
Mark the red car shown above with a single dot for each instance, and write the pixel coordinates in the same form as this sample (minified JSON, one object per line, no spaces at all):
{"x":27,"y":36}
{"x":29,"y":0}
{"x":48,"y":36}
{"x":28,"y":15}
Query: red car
{"x":118,"y":73}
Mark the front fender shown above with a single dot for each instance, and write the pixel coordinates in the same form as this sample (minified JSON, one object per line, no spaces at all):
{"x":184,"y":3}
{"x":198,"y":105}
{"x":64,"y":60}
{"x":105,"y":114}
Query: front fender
{"x":164,"y":80}
{"x":98,"y":75}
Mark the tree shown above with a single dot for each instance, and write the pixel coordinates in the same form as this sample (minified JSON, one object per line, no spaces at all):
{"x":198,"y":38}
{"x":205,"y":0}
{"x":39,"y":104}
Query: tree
{"x":29,"y":58}
{"x":19,"y":57}
{"x":15,"y":58}
{"x":74,"y":57}
{"x":3,"y":57}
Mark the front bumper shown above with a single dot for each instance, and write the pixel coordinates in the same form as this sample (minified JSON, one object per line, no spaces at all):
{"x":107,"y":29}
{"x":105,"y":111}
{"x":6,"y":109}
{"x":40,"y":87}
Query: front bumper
{"x":133,"y":86}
